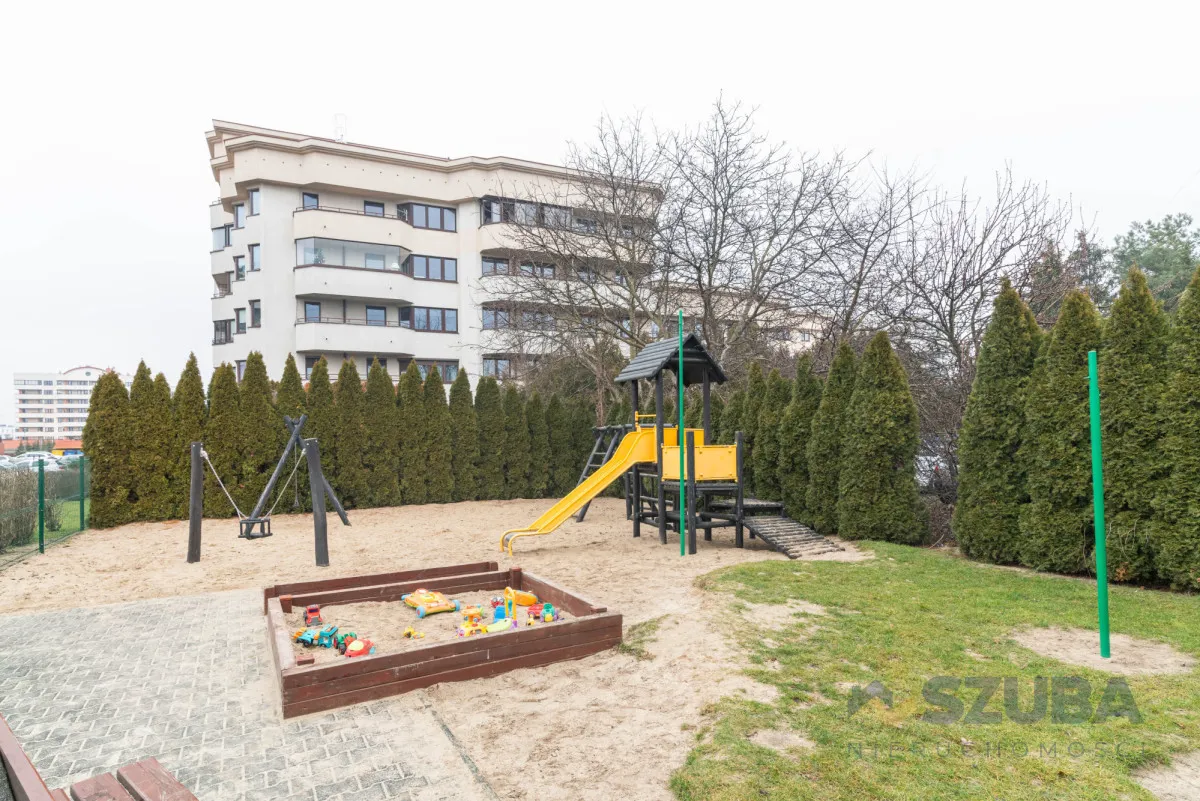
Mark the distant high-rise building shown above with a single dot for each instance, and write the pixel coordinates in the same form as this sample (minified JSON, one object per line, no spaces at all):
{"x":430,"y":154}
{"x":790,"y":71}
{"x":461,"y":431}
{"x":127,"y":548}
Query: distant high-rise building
{"x":53,"y":405}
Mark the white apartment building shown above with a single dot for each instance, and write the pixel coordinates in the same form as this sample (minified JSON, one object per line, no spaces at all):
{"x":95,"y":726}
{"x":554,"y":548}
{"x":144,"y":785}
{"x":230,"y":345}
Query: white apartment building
{"x":54,"y":405}
{"x":325,"y":248}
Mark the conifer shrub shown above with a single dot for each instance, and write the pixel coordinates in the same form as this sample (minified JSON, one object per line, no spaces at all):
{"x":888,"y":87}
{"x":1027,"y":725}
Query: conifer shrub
{"x":563,"y":473}
{"x":260,"y":432}
{"x":439,"y":469}
{"x":795,"y":428}
{"x":464,"y":439}
{"x":414,"y":486}
{"x":516,"y":445}
{"x":223,"y":443}
{"x":766,"y":456}
{"x":381,"y":450}
{"x":189,"y":413}
{"x":489,"y":414}
{"x":539,"y":447}
{"x":824,"y":444}
{"x":108,"y":445}
{"x":151,"y":440}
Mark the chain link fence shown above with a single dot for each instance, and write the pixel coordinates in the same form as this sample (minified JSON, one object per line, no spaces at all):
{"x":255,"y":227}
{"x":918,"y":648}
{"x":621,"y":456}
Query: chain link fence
{"x":41,"y":504}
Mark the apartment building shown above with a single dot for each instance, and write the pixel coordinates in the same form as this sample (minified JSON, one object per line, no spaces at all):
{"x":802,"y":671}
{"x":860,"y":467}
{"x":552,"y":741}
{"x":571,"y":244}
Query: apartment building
{"x":54,"y":405}
{"x":326,"y":248}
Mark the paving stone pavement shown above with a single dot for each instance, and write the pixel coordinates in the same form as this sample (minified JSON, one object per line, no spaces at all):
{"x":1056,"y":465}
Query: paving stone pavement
{"x":187,"y":680}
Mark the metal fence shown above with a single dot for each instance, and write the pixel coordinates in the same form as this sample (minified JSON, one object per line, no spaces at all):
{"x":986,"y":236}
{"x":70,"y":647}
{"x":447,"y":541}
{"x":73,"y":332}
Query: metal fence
{"x":42,"y":504}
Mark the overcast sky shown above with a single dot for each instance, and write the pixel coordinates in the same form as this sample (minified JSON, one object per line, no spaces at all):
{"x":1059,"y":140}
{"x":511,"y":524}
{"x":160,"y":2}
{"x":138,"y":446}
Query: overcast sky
{"x":105,"y":170}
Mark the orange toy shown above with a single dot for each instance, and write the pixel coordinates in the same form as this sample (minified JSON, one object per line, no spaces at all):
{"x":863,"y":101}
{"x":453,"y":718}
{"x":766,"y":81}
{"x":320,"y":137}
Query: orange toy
{"x":428,"y":602}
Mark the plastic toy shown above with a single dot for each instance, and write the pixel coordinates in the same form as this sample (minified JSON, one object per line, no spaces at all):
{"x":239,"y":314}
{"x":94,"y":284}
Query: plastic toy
{"x":499,"y":613}
{"x":312,"y":615}
{"x":501,"y":625}
{"x":497,"y":601}
{"x":520,"y":597}
{"x":306,"y":637}
{"x":325,"y":638}
{"x":412,"y":634}
{"x":535,"y":610}
{"x":472,"y":614}
{"x":359,"y":648}
{"x":428,"y":602}
{"x":345,"y":639}
{"x":471,"y":629}
{"x":549,"y":613}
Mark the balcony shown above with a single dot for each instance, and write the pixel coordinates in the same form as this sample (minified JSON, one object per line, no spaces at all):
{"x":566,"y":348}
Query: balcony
{"x":337,"y":281}
{"x":337,"y":335}
{"x":349,"y":224}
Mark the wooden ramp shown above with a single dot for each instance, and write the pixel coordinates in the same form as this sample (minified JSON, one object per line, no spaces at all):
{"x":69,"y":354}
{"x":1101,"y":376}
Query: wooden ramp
{"x":790,"y":538}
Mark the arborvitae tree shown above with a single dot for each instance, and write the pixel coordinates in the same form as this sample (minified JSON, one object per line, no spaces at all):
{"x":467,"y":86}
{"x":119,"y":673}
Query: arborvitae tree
{"x":539,"y":447}
{"x":756,"y":392}
{"x":825,"y":442}
{"x":223,"y":442}
{"x":464,"y":439}
{"x":516,"y":445}
{"x":731,"y":418}
{"x":1132,"y":377}
{"x":108,"y":444}
{"x":291,"y":400}
{"x":766,"y":455}
{"x":489,"y":415}
{"x":352,"y":483}
{"x":877,"y":491}
{"x":150,"y":423}
{"x":991,"y":479}
{"x":381,"y":451}
{"x":259,"y":430}
{"x":322,"y":416}
{"x":794,"y":431}
{"x":619,"y":412}
{"x":563,"y":471}
{"x":189,"y":413}
{"x":1176,"y":525}
{"x":716,"y":408}
{"x":1056,"y":525}
{"x":439,"y":464}
{"x":414,"y":448}
{"x":582,"y":416}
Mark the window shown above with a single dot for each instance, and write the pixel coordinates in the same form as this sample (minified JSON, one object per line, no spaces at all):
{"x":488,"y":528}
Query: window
{"x":222,"y":332}
{"x":432,"y":268}
{"x":447,"y":370}
{"x":254,"y":202}
{"x":239,"y":268}
{"x":556,"y":217}
{"x":402,"y":211}
{"x":537,"y":321}
{"x":376,"y":315}
{"x":255,"y":258}
{"x":241,"y":369}
{"x":494,"y":319}
{"x":422,"y":318}
{"x":586,"y":225}
{"x":372,"y":208}
{"x":495,"y":266}
{"x":381,"y":359}
{"x":537,"y":270}
{"x":310,"y":200}
{"x":221,"y":237}
{"x":312,"y":311}
{"x":497,"y":368}
{"x":256,"y":314}
{"x":309,"y":363}
{"x":340,"y":253}
{"x":490,"y":212}
{"x":239,"y":315}
{"x":239,"y":215}
{"x":434,"y":217}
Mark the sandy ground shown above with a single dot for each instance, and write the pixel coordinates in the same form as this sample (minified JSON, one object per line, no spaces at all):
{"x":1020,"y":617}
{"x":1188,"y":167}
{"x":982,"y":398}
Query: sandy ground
{"x":384,"y":622}
{"x":609,"y":726}
{"x":1130,"y":656}
{"x":1179,"y":781}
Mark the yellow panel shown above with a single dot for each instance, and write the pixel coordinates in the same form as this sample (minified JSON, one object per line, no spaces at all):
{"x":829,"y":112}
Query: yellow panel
{"x":713,"y":463}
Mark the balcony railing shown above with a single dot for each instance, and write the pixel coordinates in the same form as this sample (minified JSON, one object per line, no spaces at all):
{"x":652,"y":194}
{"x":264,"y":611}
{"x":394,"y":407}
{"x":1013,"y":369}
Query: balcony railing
{"x":352,"y":321}
{"x":222,"y":292}
{"x":359,"y":212}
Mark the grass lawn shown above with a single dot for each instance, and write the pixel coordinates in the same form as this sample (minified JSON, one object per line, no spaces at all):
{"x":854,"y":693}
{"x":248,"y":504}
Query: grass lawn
{"x":901,"y":619}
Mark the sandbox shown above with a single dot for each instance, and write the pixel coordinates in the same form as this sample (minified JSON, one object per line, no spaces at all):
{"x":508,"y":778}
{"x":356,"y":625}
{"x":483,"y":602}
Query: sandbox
{"x":400,"y":665}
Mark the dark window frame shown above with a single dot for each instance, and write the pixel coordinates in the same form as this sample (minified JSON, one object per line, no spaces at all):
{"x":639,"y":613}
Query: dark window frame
{"x":367,"y":204}
{"x":254,"y":202}
{"x":496,"y":371}
{"x":308,"y":368}
{"x":409,"y":267}
{"x":239,"y":268}
{"x":307,"y":317}
{"x":495,"y":261}
{"x":367,"y":316}
{"x":255,"y":313}
{"x":239,"y":321}
{"x":254,"y":257}
{"x":410,"y":216}
{"x":316,"y":198}
{"x":408,"y":316}
{"x":239,"y":207}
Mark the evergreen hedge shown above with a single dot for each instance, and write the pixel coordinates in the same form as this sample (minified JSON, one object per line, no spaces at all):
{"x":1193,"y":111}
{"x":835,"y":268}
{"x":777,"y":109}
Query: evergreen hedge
{"x":189,"y":417}
{"x":516,"y":445}
{"x":223,"y":443}
{"x":108,"y":443}
{"x":795,"y":428}
{"x":1176,"y":530}
{"x":731,"y":417}
{"x":1132,"y":379}
{"x":756,"y":390}
{"x":489,"y":415}
{"x":345,"y":465}
{"x":766,"y":453}
{"x":824,"y":444}
{"x":381,"y":448}
{"x":564,"y":472}
{"x":292,"y":400}
{"x":539,"y":447}
{"x":413,"y":448}
{"x":991,"y":486}
{"x":1056,"y":525}
{"x":464,"y":439}
{"x":439,"y":470}
{"x":152,"y":441}
{"x":877,"y":490}
{"x":260,"y":432}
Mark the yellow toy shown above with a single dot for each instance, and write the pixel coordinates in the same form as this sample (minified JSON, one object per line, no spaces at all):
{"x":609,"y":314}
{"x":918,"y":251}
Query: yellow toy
{"x":520,"y":597}
{"x":428,"y":602}
{"x":471,"y":629}
{"x":412,"y":634}
{"x":472,"y":614}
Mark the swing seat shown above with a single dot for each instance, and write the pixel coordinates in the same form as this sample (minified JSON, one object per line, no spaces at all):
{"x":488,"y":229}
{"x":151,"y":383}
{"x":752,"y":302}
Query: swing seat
{"x":254,"y":528}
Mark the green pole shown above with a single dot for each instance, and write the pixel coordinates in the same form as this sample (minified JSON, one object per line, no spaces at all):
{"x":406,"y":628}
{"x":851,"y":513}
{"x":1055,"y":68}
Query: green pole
{"x":82,"y":514}
{"x":41,"y":506}
{"x":1098,"y":503}
{"x":679,"y":430}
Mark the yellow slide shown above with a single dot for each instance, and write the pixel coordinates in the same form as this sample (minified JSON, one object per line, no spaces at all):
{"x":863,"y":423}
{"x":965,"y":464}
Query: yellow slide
{"x":636,"y":446}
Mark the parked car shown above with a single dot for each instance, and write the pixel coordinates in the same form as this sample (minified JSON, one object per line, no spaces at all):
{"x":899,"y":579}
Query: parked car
{"x":30,"y":462}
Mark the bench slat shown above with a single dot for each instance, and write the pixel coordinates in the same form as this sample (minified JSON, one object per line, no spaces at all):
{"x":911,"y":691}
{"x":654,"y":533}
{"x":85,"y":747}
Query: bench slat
{"x":104,"y":787}
{"x":148,"y":780}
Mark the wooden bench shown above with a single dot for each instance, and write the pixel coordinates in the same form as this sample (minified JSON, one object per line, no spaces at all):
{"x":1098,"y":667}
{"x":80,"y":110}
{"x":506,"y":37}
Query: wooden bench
{"x":142,"y":781}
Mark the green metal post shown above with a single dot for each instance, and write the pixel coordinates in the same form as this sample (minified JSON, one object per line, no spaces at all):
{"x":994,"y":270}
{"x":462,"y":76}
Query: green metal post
{"x":82,"y":485}
{"x":1098,"y":503}
{"x":679,"y":430}
{"x":41,"y":506}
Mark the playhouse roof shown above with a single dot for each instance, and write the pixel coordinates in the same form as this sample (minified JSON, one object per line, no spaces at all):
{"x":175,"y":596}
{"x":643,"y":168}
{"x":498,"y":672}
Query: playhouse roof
{"x":664,"y":355}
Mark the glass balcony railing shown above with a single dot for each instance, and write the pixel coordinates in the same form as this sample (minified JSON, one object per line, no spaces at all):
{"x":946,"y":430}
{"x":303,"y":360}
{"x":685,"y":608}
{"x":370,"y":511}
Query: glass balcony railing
{"x":338,"y":253}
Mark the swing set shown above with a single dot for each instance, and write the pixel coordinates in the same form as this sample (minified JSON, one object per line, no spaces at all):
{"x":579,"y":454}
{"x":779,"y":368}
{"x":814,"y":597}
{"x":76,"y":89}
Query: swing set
{"x":256,"y":525}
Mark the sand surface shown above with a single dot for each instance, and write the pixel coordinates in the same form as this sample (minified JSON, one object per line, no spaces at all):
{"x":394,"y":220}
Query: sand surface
{"x":1130,"y":656}
{"x":606,"y":727}
{"x":384,"y":623}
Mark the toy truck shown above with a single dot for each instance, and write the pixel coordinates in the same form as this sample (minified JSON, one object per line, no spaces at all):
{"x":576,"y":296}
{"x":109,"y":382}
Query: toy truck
{"x":312,"y":615}
{"x":325,"y":638}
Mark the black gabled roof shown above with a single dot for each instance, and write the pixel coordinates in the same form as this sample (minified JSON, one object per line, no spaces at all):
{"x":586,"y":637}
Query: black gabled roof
{"x":664,"y":355}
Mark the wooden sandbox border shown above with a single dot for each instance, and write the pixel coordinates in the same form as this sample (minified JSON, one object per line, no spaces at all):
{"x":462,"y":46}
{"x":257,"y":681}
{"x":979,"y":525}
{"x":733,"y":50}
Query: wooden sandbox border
{"x":315,"y":688}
